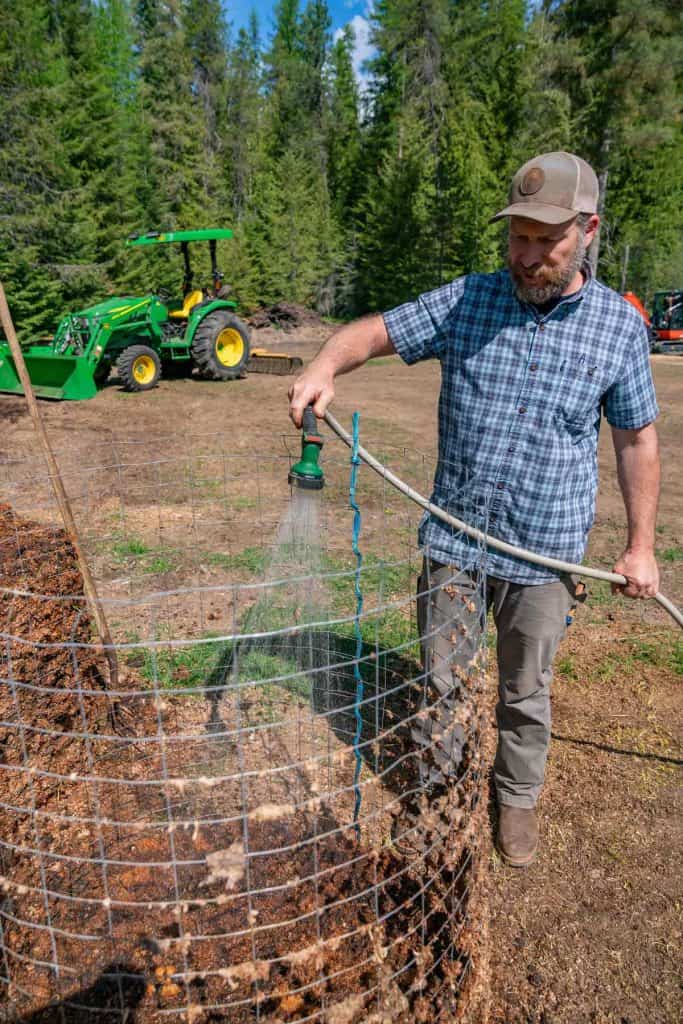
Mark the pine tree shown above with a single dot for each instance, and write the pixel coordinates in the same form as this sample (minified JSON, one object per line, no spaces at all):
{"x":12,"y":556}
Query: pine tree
{"x":345,"y":171}
{"x":487,"y":125}
{"x":176,"y":167}
{"x":96,"y":136}
{"x":243,"y":129}
{"x":291,"y":233}
{"x":289,"y":225}
{"x":283,"y":79}
{"x":38,"y":180}
{"x":398,"y":246}
{"x":617,"y":61}
{"x":120,"y":190}
{"x":206,"y":38}
{"x":646,"y":215}
{"x":314,"y":46}
{"x":404,"y":216}
{"x":343,"y":128}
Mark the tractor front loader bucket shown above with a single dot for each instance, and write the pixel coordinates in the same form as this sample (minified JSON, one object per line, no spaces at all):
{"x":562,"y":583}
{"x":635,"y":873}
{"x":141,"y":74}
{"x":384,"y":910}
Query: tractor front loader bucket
{"x":263,"y":361}
{"x":52,"y":376}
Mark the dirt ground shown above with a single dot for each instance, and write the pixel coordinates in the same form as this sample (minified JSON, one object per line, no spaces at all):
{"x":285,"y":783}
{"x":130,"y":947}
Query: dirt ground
{"x":590,"y":933}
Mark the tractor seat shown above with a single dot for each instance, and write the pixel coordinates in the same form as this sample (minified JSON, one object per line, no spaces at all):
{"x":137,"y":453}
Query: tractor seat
{"x":189,"y":302}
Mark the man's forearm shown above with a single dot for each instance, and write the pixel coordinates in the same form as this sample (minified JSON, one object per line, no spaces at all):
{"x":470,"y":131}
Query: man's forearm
{"x":638,"y":472}
{"x":352,"y":345}
{"x":349,"y":347}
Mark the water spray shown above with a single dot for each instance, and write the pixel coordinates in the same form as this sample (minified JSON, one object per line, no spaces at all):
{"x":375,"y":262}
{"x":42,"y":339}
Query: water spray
{"x":306,"y":473}
{"x":491,"y":542}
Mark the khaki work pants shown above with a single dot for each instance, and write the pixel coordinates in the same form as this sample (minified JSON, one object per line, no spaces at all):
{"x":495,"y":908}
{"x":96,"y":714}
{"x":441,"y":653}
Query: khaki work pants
{"x":531,"y":621}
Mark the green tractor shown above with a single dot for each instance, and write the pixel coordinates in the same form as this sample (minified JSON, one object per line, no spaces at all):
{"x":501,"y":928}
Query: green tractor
{"x":144,"y":336}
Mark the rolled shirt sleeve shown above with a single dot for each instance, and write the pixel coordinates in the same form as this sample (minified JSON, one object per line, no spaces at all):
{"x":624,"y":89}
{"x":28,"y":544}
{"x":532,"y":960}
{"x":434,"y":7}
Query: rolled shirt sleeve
{"x":630,"y":402}
{"x":421,"y":329}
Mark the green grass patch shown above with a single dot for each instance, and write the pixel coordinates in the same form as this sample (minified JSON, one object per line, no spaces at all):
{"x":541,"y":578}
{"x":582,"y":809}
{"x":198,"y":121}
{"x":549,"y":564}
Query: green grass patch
{"x":601,"y":593}
{"x":210,"y":664}
{"x":251,"y":559}
{"x":377,"y":577}
{"x":391,"y":627}
{"x":259,"y":665}
{"x":666,"y":653}
{"x":218,"y":558}
{"x":383,"y":361}
{"x":614,"y":668}
{"x":677,"y":657}
{"x":208,"y":485}
{"x":202,"y":664}
{"x":243,"y":503}
{"x":146,"y":558}
{"x":673,"y":554}
{"x":566,"y":668}
{"x":389,"y":630}
{"x":132,"y":547}
{"x":600,"y":599}
{"x":159,"y":564}
{"x":179,"y":666}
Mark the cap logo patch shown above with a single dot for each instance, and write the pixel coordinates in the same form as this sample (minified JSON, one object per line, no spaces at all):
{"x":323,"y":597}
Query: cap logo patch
{"x":532,"y":182}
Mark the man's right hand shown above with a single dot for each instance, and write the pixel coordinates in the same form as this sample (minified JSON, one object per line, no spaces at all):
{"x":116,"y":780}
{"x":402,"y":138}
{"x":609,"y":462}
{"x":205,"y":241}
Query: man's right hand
{"x":311,"y":388}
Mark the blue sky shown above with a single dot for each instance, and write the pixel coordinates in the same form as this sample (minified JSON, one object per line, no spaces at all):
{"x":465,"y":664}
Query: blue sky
{"x":341,"y":11}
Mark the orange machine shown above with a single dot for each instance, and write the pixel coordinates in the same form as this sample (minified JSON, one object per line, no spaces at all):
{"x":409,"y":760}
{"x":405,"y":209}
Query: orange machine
{"x":666,"y":322}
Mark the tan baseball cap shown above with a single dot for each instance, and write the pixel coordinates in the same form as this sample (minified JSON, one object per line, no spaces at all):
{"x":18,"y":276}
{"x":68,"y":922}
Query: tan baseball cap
{"x":552,"y":188}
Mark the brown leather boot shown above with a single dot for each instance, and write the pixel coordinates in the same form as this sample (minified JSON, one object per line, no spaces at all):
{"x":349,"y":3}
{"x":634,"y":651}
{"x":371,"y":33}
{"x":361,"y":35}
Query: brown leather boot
{"x":517,"y":839}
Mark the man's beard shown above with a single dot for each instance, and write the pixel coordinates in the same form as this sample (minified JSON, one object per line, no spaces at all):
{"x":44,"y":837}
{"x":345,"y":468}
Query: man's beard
{"x":552,"y":282}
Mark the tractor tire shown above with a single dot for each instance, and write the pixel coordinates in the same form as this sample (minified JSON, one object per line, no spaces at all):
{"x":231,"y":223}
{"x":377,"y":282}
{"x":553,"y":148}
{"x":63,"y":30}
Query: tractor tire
{"x":101,"y":374}
{"x":220,"y":347}
{"x":139,"y":368}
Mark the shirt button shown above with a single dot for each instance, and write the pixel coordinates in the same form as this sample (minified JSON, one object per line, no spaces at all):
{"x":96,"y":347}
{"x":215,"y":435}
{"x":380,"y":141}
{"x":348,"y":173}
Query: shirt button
{"x":541,"y":327}
{"x":522,"y":410}
{"x":533,"y":367}
{"x":492,"y":517}
{"x":500,"y":486}
{"x":511,"y":449}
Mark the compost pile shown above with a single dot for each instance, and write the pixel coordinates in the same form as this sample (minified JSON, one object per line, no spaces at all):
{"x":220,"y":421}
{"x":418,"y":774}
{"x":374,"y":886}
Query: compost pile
{"x":111,"y":912}
{"x":41,"y":560}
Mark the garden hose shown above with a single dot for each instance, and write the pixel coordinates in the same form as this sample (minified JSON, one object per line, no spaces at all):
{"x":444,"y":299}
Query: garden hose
{"x":491,"y":542}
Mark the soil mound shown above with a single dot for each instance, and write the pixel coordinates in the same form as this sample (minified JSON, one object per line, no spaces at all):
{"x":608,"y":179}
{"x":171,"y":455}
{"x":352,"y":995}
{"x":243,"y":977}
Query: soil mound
{"x":286,"y":316}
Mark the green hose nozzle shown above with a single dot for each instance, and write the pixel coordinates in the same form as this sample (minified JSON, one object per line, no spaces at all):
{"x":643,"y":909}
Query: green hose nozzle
{"x":307,"y":473}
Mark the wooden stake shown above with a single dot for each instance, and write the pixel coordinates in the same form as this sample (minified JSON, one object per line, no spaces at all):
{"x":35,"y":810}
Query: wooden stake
{"x":96,"y":609}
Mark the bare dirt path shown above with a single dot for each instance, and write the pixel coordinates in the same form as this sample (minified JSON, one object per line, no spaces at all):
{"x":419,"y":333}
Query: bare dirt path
{"x":591,"y":933}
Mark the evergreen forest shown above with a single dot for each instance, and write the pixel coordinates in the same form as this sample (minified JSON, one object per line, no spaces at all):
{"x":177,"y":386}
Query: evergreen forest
{"x":349,"y":196}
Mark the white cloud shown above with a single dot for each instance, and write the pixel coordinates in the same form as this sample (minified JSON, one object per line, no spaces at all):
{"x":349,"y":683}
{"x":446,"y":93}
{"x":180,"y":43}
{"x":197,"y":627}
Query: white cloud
{"x":362,"y":49}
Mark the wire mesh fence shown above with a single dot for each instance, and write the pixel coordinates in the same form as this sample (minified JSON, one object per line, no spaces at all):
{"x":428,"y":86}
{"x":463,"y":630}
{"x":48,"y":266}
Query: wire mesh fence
{"x":248,"y":828}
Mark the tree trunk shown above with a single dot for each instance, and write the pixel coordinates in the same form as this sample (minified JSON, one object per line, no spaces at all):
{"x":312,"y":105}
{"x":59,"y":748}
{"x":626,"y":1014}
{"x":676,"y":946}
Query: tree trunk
{"x":624,"y":267}
{"x":594,"y":253}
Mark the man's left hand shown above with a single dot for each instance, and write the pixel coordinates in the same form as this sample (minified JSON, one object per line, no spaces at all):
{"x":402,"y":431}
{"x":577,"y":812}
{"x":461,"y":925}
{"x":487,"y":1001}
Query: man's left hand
{"x":641,"y":570}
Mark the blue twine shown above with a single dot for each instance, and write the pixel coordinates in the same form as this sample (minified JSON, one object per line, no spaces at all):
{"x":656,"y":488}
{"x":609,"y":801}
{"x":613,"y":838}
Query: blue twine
{"x":355,"y":463}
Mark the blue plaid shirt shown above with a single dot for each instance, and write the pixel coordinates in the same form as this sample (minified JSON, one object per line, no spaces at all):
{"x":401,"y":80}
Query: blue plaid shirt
{"x":519,"y":412}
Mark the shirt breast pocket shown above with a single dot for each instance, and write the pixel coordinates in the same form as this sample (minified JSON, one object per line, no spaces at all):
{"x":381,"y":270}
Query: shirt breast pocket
{"x":582,"y":385}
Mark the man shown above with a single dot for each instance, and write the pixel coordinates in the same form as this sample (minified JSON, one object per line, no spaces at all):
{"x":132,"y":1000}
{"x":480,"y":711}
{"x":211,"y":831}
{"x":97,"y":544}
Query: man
{"x":530,"y":356}
{"x":671,"y":307}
